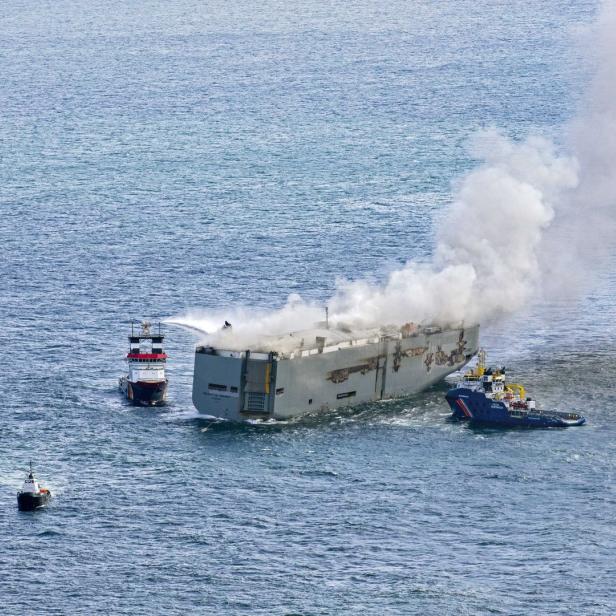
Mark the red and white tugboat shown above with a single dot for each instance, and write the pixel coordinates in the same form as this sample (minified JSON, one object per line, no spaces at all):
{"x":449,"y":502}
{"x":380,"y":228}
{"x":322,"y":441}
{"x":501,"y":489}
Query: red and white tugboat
{"x":145,"y":383}
{"x":32,"y":496}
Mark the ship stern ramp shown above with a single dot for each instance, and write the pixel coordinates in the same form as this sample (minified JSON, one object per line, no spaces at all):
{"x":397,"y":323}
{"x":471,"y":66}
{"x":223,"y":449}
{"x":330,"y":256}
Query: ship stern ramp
{"x":234,"y":385}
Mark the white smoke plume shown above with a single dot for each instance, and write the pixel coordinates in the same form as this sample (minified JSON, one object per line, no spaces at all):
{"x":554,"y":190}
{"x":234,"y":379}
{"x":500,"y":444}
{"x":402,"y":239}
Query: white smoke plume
{"x":581,"y":240}
{"x":485,"y":262}
{"x":495,"y":247}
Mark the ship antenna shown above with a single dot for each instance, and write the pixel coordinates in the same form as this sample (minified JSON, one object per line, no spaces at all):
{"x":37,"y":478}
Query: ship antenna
{"x":326,"y":317}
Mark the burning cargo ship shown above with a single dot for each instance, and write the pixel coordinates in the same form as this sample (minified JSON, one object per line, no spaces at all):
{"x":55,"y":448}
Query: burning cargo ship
{"x":316,"y":370}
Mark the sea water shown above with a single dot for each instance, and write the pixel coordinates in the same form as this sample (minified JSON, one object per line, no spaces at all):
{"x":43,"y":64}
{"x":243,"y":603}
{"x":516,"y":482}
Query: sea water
{"x":158,"y":157}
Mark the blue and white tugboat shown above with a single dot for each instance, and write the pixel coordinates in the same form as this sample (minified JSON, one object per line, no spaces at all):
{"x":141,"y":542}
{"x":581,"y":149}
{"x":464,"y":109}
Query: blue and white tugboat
{"x":483,"y":396}
{"x":146,"y":383}
{"x":32,"y":496}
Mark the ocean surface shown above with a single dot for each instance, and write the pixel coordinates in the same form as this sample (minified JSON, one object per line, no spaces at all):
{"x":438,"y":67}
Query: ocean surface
{"x":157,"y":157}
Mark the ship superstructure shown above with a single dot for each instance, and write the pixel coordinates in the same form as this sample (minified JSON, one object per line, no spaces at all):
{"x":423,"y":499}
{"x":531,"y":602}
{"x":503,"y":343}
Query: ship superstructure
{"x":324,"y":368}
{"x":146,"y":383}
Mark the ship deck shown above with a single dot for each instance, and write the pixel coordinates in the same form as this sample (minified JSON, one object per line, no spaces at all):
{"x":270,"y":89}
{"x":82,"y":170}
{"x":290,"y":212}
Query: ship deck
{"x":311,"y":341}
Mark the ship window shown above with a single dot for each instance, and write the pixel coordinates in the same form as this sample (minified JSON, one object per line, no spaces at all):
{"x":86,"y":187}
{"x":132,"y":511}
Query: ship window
{"x":233,"y":389}
{"x":310,"y":401}
{"x":279,"y":391}
{"x":217,"y":387}
{"x":346,"y":394}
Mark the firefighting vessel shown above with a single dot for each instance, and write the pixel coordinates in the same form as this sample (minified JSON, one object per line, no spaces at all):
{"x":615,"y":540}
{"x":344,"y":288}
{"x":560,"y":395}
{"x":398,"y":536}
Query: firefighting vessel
{"x":316,"y":370}
{"x":32,"y":496}
{"x":484,"y":396}
{"x":145,"y":384}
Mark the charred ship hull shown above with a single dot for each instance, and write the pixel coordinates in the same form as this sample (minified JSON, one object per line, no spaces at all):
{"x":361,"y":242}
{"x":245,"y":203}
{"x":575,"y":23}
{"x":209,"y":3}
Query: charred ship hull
{"x":238,"y":385}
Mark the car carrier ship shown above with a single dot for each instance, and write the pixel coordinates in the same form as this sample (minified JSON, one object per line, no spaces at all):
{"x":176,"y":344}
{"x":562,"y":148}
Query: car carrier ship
{"x":324,"y":368}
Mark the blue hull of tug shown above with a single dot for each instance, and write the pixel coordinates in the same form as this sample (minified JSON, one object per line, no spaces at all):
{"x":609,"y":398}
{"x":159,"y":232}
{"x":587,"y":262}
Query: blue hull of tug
{"x":476,"y":407}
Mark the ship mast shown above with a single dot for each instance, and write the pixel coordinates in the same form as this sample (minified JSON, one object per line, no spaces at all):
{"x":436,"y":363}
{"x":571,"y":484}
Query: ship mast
{"x":481,"y":362}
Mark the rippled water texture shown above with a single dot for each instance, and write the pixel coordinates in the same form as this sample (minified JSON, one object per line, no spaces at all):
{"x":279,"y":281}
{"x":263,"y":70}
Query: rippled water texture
{"x":163,"y":156}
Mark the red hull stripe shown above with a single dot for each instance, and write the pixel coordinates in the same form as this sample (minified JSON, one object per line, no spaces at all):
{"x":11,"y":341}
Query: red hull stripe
{"x":146,"y":356}
{"x":464,"y":408}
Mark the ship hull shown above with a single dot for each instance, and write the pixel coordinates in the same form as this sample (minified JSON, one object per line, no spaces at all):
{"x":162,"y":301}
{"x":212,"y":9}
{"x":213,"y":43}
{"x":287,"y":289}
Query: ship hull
{"x":145,"y":393}
{"x":29,"y":502}
{"x":477,"y":408}
{"x":241,"y":386}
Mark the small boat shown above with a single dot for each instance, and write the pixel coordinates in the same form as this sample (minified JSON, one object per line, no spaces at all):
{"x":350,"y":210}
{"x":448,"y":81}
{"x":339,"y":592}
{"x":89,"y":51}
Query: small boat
{"x":483,"y":396}
{"x":32,"y":496}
